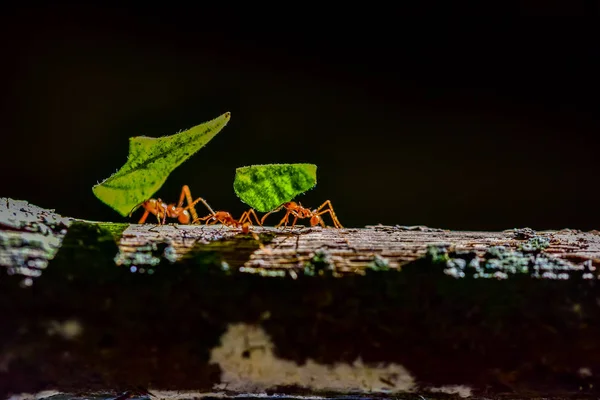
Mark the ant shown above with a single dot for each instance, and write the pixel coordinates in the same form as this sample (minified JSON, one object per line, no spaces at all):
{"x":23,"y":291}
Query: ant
{"x":298,"y":211}
{"x":227,"y":219}
{"x":163,"y":210}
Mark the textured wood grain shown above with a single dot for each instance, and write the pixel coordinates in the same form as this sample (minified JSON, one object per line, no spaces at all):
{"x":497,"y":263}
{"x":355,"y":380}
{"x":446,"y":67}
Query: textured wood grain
{"x":384,"y":311}
{"x":353,"y":250}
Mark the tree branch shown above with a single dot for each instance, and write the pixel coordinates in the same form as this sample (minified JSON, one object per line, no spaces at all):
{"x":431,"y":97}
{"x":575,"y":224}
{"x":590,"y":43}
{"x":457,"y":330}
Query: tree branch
{"x":98,"y":306}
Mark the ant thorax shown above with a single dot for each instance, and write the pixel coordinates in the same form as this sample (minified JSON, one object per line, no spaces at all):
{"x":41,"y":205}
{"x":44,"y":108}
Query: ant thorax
{"x":172,"y":210}
{"x":150,"y":204}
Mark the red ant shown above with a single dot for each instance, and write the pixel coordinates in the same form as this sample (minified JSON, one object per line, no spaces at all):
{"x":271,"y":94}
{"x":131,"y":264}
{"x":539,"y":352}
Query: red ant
{"x":226,"y":219}
{"x":163,"y":210}
{"x":298,"y":211}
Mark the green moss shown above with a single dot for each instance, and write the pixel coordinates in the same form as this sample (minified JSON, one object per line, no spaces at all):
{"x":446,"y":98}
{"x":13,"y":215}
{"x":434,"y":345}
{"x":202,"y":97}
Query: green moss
{"x":437,"y":253}
{"x":500,"y":262}
{"x":534,"y":244}
{"x":100,"y":231}
{"x":378,"y":264}
{"x":523,"y":233}
{"x":115,"y":230}
{"x":320,"y":264}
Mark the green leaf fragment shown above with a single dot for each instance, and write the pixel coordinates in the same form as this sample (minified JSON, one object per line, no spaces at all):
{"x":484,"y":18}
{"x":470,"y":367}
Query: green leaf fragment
{"x":266,"y":187}
{"x":149,"y":163}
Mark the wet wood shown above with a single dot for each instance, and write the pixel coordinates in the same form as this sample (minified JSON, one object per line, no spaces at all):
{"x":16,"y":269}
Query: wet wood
{"x":350,"y":250}
{"x":382,"y":311}
{"x":30,"y":237}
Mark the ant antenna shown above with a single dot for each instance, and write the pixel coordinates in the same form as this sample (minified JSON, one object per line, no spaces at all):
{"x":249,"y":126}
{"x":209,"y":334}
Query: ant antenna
{"x":134,"y":209}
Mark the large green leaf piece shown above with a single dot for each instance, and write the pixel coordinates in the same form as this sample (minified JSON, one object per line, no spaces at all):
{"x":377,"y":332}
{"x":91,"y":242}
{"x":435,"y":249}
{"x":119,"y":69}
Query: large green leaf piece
{"x":149,"y":163}
{"x":266,"y":187}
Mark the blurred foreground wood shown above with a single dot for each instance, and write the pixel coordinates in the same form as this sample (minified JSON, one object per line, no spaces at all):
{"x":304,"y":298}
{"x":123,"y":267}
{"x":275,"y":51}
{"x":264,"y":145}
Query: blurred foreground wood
{"x":381,"y":311}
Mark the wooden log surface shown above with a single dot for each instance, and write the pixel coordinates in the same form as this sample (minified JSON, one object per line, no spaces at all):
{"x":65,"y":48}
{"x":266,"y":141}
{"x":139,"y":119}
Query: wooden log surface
{"x":381,"y":310}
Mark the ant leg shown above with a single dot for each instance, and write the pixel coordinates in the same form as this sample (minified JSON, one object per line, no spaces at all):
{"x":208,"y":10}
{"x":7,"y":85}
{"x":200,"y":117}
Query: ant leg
{"x":134,"y":209}
{"x":203,"y":218}
{"x":212,"y":221}
{"x":164,"y":212}
{"x":158,"y":214}
{"x":326,"y":203}
{"x":160,"y":211}
{"x":143,"y":219}
{"x":185,"y":191}
{"x":284,"y":219}
{"x":296,"y":217}
{"x":193,"y":203}
{"x":251,"y":211}
{"x":295,"y":220}
{"x":262,"y":220}
{"x":215,"y":221}
{"x":336,"y":222}
{"x":246,"y":217}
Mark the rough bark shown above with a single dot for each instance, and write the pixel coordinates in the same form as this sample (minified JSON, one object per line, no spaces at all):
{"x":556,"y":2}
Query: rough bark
{"x":380,"y":310}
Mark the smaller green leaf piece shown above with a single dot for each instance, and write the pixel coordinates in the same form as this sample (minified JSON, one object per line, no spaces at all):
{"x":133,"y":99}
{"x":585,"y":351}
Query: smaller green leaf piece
{"x":266,"y":187}
{"x":149,"y":163}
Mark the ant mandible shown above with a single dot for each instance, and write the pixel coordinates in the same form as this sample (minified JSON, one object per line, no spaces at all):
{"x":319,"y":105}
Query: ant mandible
{"x":296,"y":209}
{"x":227,"y":219}
{"x":163,"y":210}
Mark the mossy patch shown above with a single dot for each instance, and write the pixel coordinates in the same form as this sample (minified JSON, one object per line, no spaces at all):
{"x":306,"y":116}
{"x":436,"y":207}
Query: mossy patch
{"x":500,"y":262}
{"x":379,"y":264}
{"x":523,"y":233}
{"x":320,"y":264}
{"x":111,"y":228}
{"x":535,"y":243}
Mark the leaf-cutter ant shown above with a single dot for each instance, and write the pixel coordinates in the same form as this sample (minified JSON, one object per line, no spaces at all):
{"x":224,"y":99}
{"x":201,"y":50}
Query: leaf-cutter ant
{"x":163,"y":210}
{"x":227,"y":219}
{"x":296,"y":209}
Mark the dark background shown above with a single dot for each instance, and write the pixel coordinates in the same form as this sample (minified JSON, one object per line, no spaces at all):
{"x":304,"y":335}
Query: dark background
{"x":411,"y":121}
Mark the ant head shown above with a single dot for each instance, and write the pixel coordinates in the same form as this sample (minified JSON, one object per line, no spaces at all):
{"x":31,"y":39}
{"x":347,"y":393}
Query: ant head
{"x":315,"y":220}
{"x":246,"y":227}
{"x":184,"y":218}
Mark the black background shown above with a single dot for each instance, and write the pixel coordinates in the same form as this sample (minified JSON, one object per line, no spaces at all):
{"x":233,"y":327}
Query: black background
{"x":478,"y":123}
